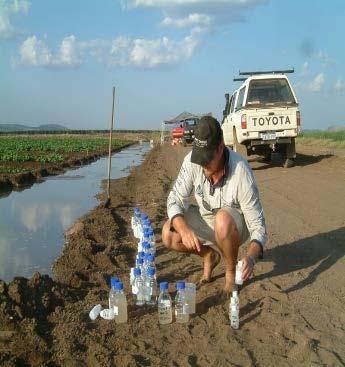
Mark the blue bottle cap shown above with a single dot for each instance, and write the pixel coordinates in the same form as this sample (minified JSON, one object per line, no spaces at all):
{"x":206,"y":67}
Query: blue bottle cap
{"x":137,"y":272}
{"x":141,"y":254}
{"x":146,"y":232}
{"x":180,"y":285}
{"x":150,"y":258}
{"x":146,"y":245}
{"x":163,"y":286}
{"x":144,"y":216}
{"x":147,"y":256}
{"x":113,"y":281}
{"x":151,"y":271}
{"x":140,"y":261}
{"x":119,"y":286}
{"x":151,"y":233}
{"x":136,"y":210}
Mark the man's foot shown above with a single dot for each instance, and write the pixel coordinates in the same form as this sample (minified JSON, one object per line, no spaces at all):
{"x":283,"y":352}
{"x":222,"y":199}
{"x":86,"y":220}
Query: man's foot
{"x":211,"y":260}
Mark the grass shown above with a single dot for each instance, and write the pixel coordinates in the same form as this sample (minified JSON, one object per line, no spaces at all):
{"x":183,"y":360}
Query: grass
{"x":331,"y":139}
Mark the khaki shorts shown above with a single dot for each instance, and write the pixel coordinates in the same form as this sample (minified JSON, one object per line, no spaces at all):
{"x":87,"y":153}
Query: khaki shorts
{"x":203,"y":226}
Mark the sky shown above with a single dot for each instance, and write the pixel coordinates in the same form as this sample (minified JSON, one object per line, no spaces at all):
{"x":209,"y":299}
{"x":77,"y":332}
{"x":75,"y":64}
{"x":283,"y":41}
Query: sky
{"x":60,"y":59}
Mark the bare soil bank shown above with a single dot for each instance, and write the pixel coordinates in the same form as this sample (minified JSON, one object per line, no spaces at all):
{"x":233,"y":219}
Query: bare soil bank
{"x":292,"y":311}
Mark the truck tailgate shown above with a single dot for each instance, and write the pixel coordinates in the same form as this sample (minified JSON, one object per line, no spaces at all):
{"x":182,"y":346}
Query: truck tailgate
{"x":271,"y":119}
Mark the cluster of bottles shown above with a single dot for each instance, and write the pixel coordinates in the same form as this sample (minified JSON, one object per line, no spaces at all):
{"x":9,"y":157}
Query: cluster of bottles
{"x":143,"y":275}
{"x":184,"y":303}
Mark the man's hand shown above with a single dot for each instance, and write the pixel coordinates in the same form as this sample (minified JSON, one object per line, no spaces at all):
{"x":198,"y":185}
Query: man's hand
{"x":190,"y":240}
{"x":247,"y":267}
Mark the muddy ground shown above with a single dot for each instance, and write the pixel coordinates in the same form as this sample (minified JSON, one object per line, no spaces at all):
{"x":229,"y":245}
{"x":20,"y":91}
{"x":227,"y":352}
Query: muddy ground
{"x":292,"y":311}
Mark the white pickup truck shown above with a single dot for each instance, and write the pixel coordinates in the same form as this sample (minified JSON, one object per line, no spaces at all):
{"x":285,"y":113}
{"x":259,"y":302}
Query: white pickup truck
{"x":262,"y":116}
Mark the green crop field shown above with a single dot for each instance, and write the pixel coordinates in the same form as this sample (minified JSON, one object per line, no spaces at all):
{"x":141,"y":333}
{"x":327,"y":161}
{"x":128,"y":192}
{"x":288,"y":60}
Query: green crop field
{"x":333,"y":139}
{"x":50,"y":150}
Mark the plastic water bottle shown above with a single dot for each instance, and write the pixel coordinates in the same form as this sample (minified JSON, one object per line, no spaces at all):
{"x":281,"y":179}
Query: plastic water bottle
{"x":146,"y":224}
{"x":138,"y":288}
{"x":164,"y":305}
{"x":140,"y":264}
{"x":181,"y":305}
{"x":147,"y":248}
{"x":120,"y":304}
{"x":149,"y":261}
{"x":140,"y":255}
{"x":152,"y":238}
{"x":112,"y":293}
{"x":151,"y":287}
{"x":144,"y":238}
{"x":234,"y":310}
{"x":135,"y":219}
{"x":238,"y":274}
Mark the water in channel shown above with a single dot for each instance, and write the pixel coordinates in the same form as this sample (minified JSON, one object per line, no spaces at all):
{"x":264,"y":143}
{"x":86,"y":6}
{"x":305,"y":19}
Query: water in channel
{"x":33,"y":221}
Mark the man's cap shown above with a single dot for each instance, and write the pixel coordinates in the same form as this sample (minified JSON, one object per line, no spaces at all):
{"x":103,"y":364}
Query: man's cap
{"x":207,"y":136}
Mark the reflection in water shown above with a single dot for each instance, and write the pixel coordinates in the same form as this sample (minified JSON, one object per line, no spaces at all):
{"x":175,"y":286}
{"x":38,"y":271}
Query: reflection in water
{"x":32,"y":222}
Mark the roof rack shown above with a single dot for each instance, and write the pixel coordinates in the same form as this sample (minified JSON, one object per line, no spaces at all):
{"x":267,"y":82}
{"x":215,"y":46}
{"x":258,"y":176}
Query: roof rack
{"x":250,"y":73}
{"x":288,"y":71}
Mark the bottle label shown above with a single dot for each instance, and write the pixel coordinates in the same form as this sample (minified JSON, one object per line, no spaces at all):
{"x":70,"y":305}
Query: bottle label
{"x":116,"y":310}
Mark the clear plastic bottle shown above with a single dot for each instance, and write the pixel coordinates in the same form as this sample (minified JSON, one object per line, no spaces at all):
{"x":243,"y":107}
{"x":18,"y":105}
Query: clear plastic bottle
{"x":152,"y":238}
{"x":135,"y":220}
{"x":164,"y":305}
{"x":238,"y":274}
{"x":120,"y":304}
{"x":234,"y":310}
{"x":112,"y":293}
{"x":181,"y":303}
{"x":139,"y":263}
{"x":138,"y":288}
{"x":149,"y":262}
{"x":147,"y":248}
{"x":151,"y":287}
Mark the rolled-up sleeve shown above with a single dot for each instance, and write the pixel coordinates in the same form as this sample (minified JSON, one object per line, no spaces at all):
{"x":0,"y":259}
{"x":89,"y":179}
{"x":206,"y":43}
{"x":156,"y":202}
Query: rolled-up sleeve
{"x":249,"y":201}
{"x":181,"y":190}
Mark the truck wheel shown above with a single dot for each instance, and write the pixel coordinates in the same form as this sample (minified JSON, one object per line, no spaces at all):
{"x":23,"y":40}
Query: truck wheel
{"x":289,"y":154}
{"x":267,"y":157}
{"x":239,"y":148}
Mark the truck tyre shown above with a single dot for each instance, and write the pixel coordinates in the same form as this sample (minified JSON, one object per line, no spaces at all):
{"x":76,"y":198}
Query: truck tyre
{"x":290,"y":154}
{"x":239,"y":148}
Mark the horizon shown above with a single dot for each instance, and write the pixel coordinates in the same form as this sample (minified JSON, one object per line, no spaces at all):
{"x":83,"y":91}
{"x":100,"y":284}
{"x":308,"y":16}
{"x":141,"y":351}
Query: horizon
{"x":60,"y":60}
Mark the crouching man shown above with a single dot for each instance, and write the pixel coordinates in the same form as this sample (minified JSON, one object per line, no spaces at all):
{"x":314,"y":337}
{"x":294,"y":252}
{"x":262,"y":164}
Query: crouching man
{"x":228,"y":209}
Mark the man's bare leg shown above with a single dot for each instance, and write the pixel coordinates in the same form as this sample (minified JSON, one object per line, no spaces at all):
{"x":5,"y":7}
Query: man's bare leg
{"x":228,"y":241}
{"x":172,"y":240}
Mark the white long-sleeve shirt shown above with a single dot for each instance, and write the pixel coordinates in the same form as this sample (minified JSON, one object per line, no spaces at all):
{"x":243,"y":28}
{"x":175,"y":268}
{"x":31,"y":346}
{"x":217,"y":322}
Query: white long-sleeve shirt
{"x":237,"y":189}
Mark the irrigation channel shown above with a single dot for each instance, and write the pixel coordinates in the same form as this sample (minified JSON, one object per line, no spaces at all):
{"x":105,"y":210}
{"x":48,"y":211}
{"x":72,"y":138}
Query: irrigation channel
{"x":33,"y":221}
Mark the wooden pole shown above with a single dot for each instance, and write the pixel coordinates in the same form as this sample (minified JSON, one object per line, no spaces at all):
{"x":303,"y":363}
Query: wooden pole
{"x":110,"y":143}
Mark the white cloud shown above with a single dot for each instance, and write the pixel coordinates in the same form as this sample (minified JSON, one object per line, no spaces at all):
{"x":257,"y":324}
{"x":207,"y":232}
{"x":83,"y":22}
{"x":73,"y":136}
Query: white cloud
{"x":305,"y":68}
{"x":7,"y":8}
{"x":122,"y":51}
{"x":191,"y":20}
{"x":316,"y":84}
{"x":153,"y":53}
{"x":202,"y":13}
{"x":339,"y":84}
{"x":35,"y":52}
{"x":323,"y":56}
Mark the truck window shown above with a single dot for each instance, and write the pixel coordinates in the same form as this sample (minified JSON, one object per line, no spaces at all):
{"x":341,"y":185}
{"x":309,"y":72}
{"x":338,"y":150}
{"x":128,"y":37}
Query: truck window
{"x":240,"y":98}
{"x":269,"y":91}
{"x":233,"y":99}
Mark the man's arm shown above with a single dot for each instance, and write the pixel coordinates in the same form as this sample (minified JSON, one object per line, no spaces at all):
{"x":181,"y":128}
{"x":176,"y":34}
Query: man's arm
{"x":249,"y":201}
{"x":189,"y":239}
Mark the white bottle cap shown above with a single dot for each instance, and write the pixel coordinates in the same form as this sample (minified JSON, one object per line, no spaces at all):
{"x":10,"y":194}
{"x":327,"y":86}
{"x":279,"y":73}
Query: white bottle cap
{"x":95,"y":312}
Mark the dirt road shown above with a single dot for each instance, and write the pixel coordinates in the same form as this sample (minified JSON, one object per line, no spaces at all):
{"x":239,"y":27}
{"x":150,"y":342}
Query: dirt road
{"x":292,"y":311}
